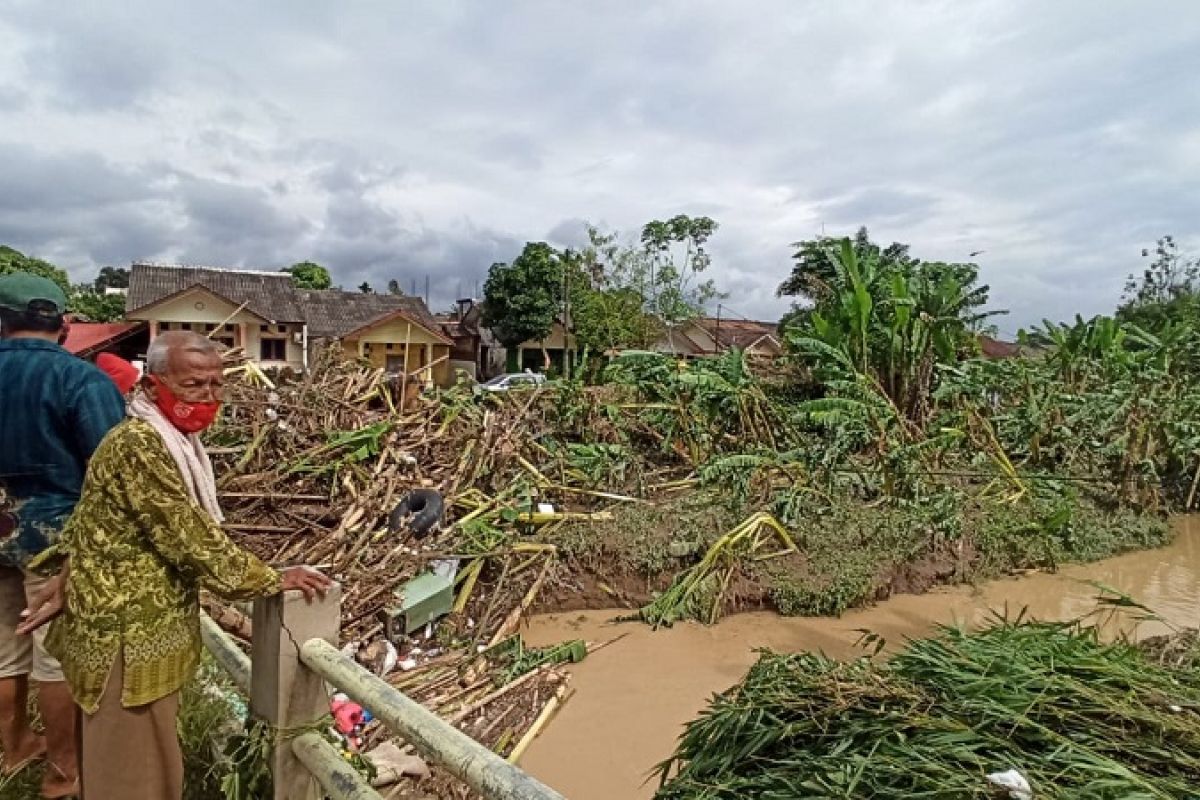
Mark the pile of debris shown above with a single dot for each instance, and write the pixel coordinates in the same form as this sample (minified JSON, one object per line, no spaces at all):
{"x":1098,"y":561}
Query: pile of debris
{"x":432,"y":518}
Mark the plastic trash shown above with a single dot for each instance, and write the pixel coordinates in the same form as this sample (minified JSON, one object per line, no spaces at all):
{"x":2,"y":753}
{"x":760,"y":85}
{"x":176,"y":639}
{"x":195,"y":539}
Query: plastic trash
{"x":392,"y":765}
{"x":1013,"y":782}
{"x":347,"y":715}
{"x":390,"y":658}
{"x":446,"y":568}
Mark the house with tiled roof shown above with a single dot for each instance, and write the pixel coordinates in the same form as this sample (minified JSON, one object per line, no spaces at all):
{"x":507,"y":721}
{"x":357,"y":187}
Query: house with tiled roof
{"x":708,"y":336}
{"x":278,"y":324}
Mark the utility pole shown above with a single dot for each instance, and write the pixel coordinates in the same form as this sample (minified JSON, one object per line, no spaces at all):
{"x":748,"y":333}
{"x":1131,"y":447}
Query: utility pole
{"x":565,"y":260}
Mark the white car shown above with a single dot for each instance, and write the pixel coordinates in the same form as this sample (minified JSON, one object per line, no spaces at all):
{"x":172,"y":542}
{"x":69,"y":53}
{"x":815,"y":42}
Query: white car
{"x":515,"y":380}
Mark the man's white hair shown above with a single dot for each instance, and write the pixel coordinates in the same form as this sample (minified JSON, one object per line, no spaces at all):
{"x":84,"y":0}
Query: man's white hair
{"x":158,"y":356}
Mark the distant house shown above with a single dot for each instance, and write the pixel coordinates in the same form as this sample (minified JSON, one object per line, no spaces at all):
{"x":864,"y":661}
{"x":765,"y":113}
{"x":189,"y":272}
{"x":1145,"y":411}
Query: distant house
{"x":708,"y":336}
{"x":394,"y":332}
{"x":994,"y":349}
{"x":556,"y":351}
{"x":475,"y":351}
{"x":478,"y":352}
{"x":278,"y":325}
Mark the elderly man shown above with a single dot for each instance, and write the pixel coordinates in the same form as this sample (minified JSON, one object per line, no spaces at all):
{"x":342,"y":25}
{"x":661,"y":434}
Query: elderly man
{"x":144,"y":539}
{"x":56,"y":409}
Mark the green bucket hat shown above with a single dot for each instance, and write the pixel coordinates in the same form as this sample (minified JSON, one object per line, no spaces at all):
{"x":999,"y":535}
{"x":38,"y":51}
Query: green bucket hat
{"x":33,"y":294}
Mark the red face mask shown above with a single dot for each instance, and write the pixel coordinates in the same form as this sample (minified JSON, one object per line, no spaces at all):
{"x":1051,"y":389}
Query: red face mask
{"x":188,"y":417}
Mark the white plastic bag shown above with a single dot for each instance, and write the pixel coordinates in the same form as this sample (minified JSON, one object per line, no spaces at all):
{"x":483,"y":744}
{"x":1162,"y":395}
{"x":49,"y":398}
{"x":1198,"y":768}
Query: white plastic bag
{"x":1013,"y":782}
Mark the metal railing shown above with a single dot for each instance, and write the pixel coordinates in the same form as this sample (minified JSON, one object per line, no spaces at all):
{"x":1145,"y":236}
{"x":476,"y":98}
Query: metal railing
{"x":293,"y":663}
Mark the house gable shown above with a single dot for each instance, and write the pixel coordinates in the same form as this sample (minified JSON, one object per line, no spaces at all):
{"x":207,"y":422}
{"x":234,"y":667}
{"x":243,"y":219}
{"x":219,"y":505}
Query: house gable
{"x":196,"y":304}
{"x":396,"y":328}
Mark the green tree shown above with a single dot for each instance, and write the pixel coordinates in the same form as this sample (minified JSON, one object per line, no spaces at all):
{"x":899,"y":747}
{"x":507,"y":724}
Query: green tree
{"x":12,"y":260}
{"x":366,"y":288}
{"x":91,"y":302}
{"x":309,"y":275}
{"x":1167,"y":291}
{"x":393,"y":287}
{"x":86,"y":303}
{"x":889,"y":321}
{"x":605,"y":283}
{"x":111,"y":278}
{"x":521,"y":300}
{"x":815,"y":277}
{"x":677,"y":257}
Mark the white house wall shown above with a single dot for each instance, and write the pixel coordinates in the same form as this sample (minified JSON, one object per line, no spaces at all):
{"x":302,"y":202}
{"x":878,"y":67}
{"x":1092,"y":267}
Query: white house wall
{"x":200,"y":309}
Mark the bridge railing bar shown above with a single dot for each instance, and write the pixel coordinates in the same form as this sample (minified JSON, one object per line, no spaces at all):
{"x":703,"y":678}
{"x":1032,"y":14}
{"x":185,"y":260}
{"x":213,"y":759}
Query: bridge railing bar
{"x":462,"y":756}
{"x":339,"y":780}
{"x":293,"y":665}
{"x":227,"y":654}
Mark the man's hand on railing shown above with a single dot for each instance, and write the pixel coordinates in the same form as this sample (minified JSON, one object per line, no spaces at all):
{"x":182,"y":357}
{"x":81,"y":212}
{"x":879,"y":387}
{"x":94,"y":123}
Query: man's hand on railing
{"x":307,"y":580}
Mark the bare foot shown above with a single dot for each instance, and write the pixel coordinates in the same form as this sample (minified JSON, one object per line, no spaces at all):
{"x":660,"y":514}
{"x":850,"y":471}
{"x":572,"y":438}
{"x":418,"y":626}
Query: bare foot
{"x":57,"y":783}
{"x":31,"y":750}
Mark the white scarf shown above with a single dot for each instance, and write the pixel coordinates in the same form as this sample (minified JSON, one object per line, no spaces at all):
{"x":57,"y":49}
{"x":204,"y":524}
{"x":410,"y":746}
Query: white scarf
{"x":186,"y":450}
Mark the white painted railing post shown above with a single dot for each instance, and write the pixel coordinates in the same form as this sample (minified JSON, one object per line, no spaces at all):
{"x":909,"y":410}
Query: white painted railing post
{"x":283,"y":692}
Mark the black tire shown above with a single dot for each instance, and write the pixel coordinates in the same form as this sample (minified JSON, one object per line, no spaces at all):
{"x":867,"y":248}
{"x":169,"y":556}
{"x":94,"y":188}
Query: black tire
{"x":420,"y":511}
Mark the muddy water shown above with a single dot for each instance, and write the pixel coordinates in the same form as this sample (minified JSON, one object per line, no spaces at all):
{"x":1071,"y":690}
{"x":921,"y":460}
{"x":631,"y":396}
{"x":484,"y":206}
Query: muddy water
{"x":632,"y":697}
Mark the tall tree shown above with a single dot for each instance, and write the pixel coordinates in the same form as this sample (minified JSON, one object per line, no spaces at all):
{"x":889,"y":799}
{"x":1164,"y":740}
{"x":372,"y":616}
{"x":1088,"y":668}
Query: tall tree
{"x":815,"y":277}
{"x":606,"y":281}
{"x":309,"y":275}
{"x":678,"y":255}
{"x":521,"y":300}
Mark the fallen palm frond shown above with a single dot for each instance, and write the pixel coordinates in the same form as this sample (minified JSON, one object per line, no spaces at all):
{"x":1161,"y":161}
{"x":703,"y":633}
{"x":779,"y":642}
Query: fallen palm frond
{"x":1077,"y":718}
{"x":699,"y":592}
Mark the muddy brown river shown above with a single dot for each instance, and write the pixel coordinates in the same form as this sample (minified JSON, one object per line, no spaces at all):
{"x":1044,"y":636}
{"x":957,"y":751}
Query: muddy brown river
{"x":631,"y":698}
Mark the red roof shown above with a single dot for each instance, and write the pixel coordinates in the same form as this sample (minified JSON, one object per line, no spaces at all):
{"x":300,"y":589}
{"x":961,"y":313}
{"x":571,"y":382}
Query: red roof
{"x":86,"y":338}
{"x":995,"y":349}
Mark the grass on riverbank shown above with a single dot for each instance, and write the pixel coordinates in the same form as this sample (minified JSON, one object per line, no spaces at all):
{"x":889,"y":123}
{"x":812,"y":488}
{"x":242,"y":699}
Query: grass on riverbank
{"x":849,"y":552}
{"x":1078,"y":718}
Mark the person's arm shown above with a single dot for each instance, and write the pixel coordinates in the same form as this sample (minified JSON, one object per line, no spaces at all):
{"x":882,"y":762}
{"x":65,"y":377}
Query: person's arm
{"x":186,"y":536}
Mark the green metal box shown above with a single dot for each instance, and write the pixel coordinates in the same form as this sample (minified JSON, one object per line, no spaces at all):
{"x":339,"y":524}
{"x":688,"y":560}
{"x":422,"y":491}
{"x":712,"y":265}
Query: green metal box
{"x":424,"y":599}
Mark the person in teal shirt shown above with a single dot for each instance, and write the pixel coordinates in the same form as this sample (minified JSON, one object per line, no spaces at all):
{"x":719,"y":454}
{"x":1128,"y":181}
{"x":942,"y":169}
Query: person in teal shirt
{"x":54,"y":411}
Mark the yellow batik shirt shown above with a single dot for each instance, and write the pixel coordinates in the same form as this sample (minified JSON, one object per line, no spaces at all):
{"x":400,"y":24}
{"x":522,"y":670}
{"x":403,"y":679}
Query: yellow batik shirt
{"x":140,"y":549}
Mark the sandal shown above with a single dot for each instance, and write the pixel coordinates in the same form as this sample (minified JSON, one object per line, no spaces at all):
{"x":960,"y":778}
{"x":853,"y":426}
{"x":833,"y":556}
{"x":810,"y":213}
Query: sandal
{"x":10,"y":771}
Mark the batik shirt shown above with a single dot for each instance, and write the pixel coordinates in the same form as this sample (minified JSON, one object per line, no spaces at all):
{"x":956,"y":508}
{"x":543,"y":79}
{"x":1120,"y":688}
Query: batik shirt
{"x":54,"y":410}
{"x":140,"y":549}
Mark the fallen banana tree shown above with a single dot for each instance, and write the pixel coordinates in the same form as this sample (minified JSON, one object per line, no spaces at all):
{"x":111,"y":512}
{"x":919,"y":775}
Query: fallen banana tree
{"x":699,"y":591}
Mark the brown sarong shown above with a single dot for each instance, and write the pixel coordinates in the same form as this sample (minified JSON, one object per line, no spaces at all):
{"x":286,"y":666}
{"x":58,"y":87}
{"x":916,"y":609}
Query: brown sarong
{"x":131,"y":753}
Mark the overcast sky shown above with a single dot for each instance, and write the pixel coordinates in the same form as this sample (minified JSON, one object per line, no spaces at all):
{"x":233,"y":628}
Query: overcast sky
{"x":399,"y":140}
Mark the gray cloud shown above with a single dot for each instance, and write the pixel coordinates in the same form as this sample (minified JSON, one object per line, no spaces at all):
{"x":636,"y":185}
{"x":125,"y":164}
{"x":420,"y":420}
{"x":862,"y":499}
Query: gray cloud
{"x":433,"y":140}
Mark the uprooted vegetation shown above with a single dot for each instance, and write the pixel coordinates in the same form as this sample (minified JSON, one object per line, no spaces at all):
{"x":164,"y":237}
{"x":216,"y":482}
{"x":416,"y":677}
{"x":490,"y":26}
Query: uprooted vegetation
{"x":880,"y":455}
